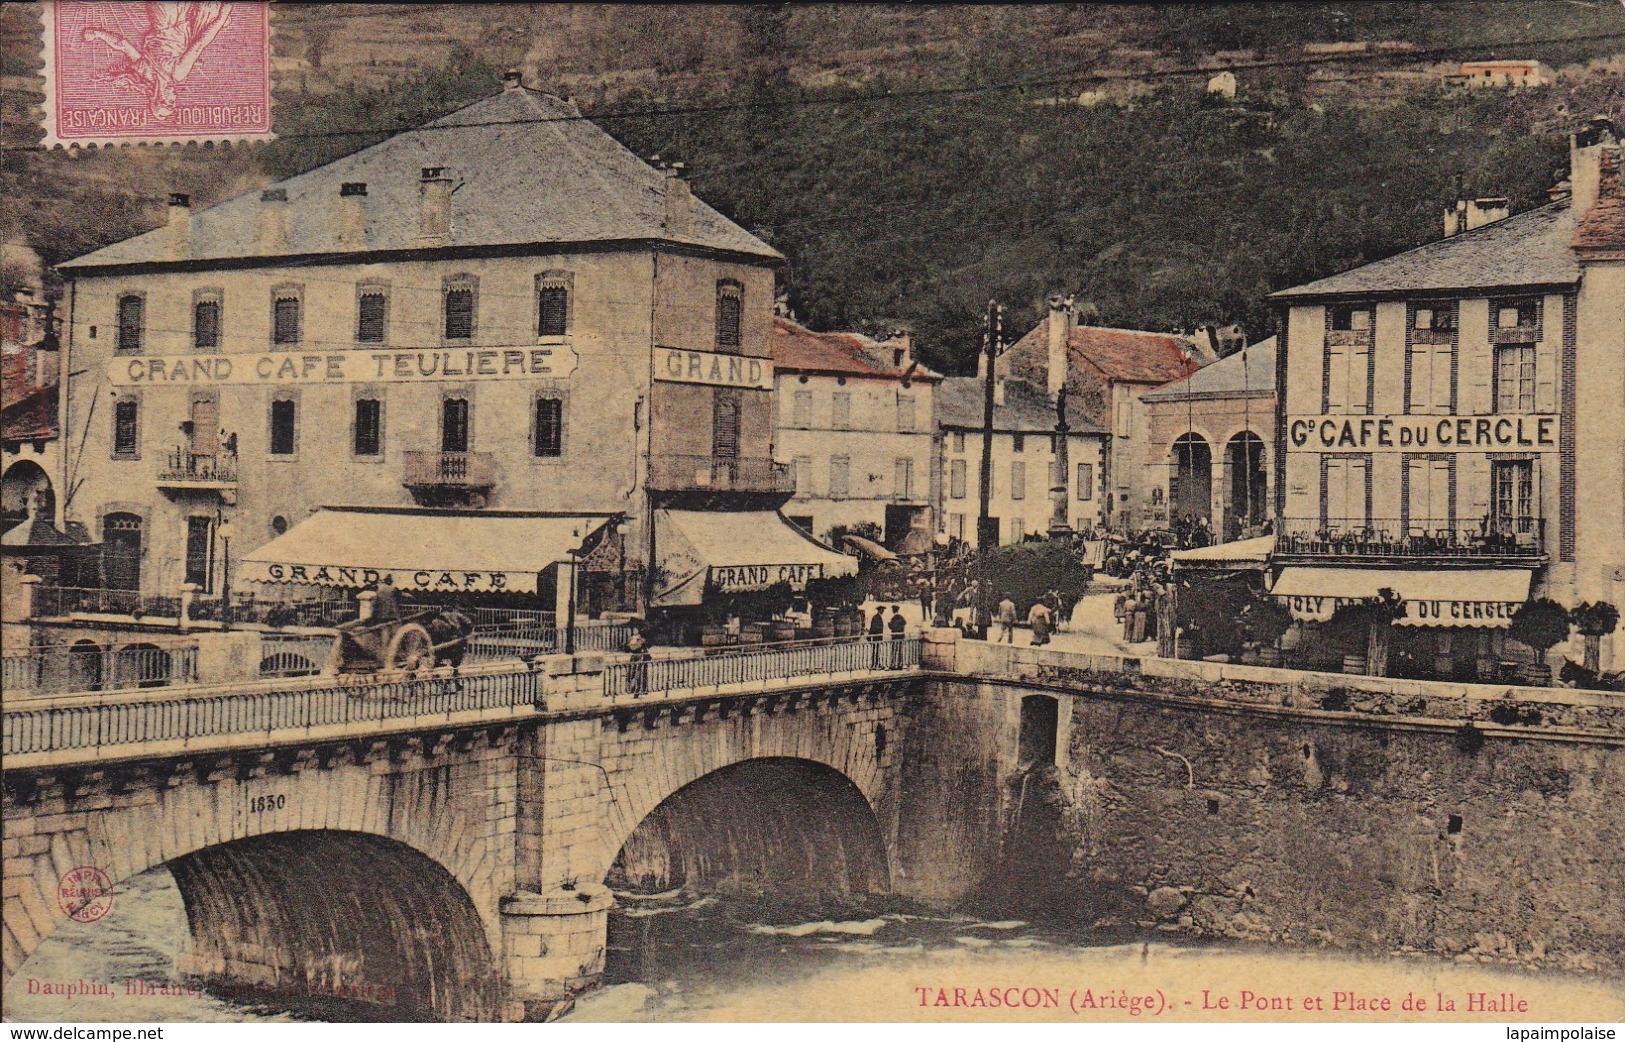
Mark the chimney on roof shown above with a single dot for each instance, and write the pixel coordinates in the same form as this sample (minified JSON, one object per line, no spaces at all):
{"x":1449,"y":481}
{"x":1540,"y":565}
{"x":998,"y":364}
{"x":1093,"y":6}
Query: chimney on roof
{"x":679,"y":216}
{"x":511,"y":80}
{"x":1468,"y":214}
{"x":352,"y":216}
{"x":274,"y":220}
{"x":1061,"y":320}
{"x":901,"y":345}
{"x":1585,"y":159}
{"x":179,"y":226}
{"x":434,"y":215}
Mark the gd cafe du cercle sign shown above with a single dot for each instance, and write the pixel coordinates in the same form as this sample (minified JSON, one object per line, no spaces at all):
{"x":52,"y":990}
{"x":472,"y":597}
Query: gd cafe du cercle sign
{"x":282,"y":368}
{"x":1528,"y":433}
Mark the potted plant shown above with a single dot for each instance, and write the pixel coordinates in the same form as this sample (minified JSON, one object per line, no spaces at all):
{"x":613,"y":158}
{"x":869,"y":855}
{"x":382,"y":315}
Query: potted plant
{"x":1541,"y":624}
{"x":1266,"y":622}
{"x":1375,"y":615}
{"x":1595,"y":620}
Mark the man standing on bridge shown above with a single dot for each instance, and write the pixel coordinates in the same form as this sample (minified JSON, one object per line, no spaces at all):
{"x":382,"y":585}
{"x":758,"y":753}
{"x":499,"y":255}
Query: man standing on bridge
{"x":1007,"y":619}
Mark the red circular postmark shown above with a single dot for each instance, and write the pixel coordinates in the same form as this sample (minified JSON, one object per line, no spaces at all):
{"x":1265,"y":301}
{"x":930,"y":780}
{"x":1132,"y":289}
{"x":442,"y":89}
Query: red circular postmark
{"x":85,"y":893}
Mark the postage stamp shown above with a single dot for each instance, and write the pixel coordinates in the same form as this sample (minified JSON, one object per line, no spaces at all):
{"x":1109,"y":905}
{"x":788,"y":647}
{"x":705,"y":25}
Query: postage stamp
{"x":85,"y":893}
{"x":161,"y":72}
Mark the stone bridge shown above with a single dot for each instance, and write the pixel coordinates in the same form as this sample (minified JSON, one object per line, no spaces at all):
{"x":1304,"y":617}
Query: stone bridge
{"x":445,"y":842}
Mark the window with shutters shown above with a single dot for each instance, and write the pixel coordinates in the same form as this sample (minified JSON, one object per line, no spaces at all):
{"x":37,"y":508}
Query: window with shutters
{"x":956,"y":479}
{"x":725,"y":425}
{"x":1348,"y":379}
{"x":1018,"y":529}
{"x":371,"y":316}
{"x":804,"y":476}
{"x":1018,"y":443}
{"x":840,"y":477}
{"x":455,"y":425}
{"x":126,"y":429}
{"x":132,"y":319}
{"x":905,"y":413}
{"x":1018,"y":480}
{"x":1085,"y":482}
{"x":553,"y":303}
{"x":284,"y":426}
{"x":199,"y":547}
{"x":368,"y":435}
{"x":1512,"y":483}
{"x":204,"y":437}
{"x":1345,"y":504}
{"x":206,"y":322}
{"x":802,"y":417}
{"x":458,"y":304}
{"x":956,"y":526}
{"x":1428,"y":507}
{"x":840,"y":410}
{"x":287,"y":317}
{"x":1431,"y":361}
{"x":903,"y":478}
{"x":730,"y":313}
{"x":549,"y":436}
{"x":958,"y":441}
{"x":1515,"y":378}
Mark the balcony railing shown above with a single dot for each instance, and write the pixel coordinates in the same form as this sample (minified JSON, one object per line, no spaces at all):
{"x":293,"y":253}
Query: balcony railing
{"x":1520,"y":538}
{"x":1527,"y":333}
{"x":462,"y":470}
{"x":708,"y":473}
{"x":184,"y":467}
{"x":1347,"y":337}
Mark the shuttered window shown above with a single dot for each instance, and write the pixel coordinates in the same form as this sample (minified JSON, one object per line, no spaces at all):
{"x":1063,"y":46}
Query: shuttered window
{"x":730,"y":310}
{"x":905,"y":413}
{"x":840,"y":410}
{"x":552,"y":311}
{"x":126,"y":428}
{"x":1018,"y":480}
{"x":132,"y":312}
{"x":1086,"y":481}
{"x":1427,"y":499}
{"x":206,"y":325}
{"x":956,"y":479}
{"x":283,"y":418}
{"x":549,"y":427}
{"x":903,"y":478}
{"x":369,"y":416}
{"x":725,"y":426}
{"x":454,"y":425}
{"x":840,"y":479}
{"x":1346,"y":505}
{"x":285,"y":320}
{"x":1430,"y":379}
{"x":803,"y":410}
{"x":459,"y":313}
{"x":371,"y":310}
{"x":199,"y":542}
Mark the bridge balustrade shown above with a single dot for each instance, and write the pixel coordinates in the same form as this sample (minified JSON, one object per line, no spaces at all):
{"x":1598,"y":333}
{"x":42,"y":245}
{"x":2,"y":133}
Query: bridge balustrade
{"x":771,"y":662}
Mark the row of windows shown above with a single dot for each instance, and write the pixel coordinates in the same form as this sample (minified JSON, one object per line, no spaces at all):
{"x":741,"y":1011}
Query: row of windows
{"x":1018,"y":441}
{"x":840,"y":478}
{"x":841,"y":412}
{"x":459,"y":311}
{"x":458,"y":301}
{"x":367,"y":428}
{"x":1430,"y":493}
{"x":1083,"y":485}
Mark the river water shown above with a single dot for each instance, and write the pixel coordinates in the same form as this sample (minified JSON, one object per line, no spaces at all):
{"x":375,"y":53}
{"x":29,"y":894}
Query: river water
{"x":678,"y":957}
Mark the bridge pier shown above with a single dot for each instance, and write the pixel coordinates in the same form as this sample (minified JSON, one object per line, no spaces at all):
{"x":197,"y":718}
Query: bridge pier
{"x":552,"y":948}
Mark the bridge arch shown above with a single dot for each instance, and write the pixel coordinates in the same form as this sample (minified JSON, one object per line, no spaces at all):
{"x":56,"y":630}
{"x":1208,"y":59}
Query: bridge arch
{"x":779,"y":822}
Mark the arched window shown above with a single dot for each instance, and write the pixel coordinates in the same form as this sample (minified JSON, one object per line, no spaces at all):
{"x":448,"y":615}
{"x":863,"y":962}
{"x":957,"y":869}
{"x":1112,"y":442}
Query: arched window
{"x":553,"y":303}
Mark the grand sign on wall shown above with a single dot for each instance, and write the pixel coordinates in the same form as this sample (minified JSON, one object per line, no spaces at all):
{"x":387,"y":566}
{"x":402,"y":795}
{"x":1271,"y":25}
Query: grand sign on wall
{"x":708,"y":367}
{"x":284,"y":368}
{"x":1530,"y":433}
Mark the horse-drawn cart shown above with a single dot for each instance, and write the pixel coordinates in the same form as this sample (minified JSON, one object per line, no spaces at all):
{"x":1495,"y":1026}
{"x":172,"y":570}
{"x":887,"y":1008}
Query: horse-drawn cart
{"x":420,"y":639}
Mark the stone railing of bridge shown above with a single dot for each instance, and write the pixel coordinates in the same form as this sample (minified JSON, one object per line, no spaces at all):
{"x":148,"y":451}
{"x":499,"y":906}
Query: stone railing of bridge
{"x":1529,"y":712}
{"x":101,"y":727}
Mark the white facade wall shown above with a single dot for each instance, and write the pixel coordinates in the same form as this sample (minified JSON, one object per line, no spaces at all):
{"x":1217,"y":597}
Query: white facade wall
{"x":1031,"y":512}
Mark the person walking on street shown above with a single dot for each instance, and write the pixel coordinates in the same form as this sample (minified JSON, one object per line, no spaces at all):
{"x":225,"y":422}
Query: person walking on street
{"x":1038,"y":617}
{"x":1007,"y":619}
{"x":926,"y":597}
{"x":637,"y":673}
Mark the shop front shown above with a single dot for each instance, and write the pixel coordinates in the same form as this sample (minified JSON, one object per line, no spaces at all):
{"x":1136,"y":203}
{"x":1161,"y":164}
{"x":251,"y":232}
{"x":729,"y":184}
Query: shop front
{"x":1451,"y":626}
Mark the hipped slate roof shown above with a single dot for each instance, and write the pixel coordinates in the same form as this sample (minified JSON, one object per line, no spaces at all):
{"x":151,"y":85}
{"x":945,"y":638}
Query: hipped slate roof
{"x":1122,"y":355}
{"x":959,"y":402}
{"x":798,"y":349}
{"x":1531,"y":249}
{"x":1251,"y":371}
{"x":532,"y":171}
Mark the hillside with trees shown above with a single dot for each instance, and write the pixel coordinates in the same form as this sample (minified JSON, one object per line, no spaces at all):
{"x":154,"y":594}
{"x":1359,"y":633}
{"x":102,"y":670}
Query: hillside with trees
{"x":913,"y":162}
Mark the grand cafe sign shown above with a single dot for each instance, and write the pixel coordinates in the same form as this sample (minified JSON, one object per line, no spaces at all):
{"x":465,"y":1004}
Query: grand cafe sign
{"x":284,"y":368}
{"x":709,"y":367}
{"x":1532,"y":433}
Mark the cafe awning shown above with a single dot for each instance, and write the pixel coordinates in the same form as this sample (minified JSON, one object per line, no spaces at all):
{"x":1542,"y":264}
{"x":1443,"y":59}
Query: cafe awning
{"x":869,"y":547}
{"x":427,"y":551}
{"x":735,"y":552}
{"x":1484,"y":598}
{"x":1243,"y":554}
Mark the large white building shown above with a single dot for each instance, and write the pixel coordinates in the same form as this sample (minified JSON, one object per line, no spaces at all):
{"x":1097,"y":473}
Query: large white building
{"x":854,"y":424}
{"x":502,"y":326}
{"x":1450,"y":422}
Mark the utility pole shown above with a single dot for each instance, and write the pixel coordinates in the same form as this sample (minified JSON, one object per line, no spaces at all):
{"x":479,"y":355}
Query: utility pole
{"x":987,"y":532}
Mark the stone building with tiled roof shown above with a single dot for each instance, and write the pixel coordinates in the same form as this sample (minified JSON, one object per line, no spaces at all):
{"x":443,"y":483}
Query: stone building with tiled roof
{"x":1105,"y":371}
{"x":854,"y":425}
{"x":1450,"y":424}
{"x":501,"y":316}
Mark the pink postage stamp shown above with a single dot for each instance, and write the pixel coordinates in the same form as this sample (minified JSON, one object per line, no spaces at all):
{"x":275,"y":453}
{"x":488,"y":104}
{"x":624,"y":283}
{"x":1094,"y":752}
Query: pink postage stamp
{"x":164,"y":71}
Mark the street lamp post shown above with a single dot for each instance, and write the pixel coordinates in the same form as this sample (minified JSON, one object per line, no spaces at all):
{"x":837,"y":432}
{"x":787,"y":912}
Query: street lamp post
{"x":570,"y":616}
{"x":226,"y":532}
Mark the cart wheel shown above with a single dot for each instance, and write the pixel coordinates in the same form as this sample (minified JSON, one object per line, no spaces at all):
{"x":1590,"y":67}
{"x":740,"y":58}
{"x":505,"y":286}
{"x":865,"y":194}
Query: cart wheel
{"x":410,"y":649}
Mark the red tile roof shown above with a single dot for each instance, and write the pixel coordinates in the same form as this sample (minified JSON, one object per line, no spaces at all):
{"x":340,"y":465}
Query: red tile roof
{"x":1120,"y":355}
{"x":1601,"y":234}
{"x":29,"y":412}
{"x":798,"y":349}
